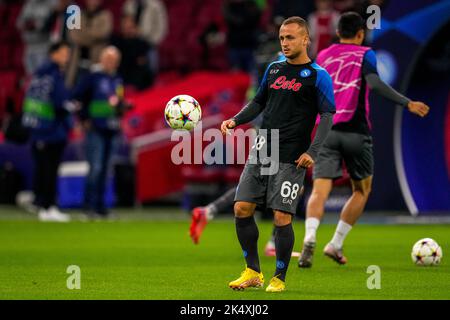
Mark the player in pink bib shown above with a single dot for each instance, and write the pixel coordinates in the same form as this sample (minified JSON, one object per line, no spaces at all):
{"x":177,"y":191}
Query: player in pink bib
{"x":353,"y":70}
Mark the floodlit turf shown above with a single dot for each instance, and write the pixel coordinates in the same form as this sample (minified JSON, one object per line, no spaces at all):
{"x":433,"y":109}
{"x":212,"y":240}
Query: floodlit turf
{"x":157,"y":260}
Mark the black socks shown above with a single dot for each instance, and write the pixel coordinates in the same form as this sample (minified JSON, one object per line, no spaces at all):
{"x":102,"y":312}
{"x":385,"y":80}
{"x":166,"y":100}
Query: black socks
{"x":247,"y":233}
{"x":284,"y":243}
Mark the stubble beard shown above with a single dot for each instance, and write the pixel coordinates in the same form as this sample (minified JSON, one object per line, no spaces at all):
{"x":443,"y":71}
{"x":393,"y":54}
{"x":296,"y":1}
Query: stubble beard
{"x":294,"y":55}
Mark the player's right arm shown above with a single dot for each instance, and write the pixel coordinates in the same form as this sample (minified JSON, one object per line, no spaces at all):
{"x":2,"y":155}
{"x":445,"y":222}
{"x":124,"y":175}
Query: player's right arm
{"x":382,"y":88}
{"x":247,"y":114}
{"x":251,"y":110}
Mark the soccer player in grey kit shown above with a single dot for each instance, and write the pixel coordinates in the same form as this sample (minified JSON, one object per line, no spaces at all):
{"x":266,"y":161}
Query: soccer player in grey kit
{"x":291,"y":95}
{"x":353,"y":68}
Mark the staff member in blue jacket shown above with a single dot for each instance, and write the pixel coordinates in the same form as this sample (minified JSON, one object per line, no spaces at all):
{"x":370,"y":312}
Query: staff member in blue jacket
{"x":46,"y":112}
{"x":101,"y":94}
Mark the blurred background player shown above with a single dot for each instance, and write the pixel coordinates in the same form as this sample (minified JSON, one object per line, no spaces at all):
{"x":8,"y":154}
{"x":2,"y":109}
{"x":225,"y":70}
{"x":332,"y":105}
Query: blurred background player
{"x":151,"y":18}
{"x":47,"y":114}
{"x":32,"y":24}
{"x":101,"y":94}
{"x":56,"y":22}
{"x":134,"y":64}
{"x":201,"y":215}
{"x":322,"y":26}
{"x":291,"y":95}
{"x":242,"y":18}
{"x":88,"y":41}
{"x":354,"y":71}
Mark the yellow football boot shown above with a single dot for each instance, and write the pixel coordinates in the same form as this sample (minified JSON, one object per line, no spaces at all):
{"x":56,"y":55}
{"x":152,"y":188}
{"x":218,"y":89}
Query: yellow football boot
{"x":249,"y":278}
{"x":275,"y":285}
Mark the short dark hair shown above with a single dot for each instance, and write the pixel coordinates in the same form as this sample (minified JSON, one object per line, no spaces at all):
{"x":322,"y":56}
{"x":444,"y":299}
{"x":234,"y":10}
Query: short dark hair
{"x":298,"y":20}
{"x":349,"y":25}
{"x":55,"y":46}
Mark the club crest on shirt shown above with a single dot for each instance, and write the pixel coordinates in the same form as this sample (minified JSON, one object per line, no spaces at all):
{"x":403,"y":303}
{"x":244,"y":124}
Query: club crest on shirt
{"x":305,"y":73}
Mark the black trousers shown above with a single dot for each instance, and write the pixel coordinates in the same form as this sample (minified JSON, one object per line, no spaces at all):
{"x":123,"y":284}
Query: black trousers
{"x":46,"y":157}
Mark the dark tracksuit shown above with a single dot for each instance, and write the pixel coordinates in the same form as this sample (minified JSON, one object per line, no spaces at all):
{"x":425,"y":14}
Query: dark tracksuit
{"x":103,"y":120}
{"x":49,"y":123}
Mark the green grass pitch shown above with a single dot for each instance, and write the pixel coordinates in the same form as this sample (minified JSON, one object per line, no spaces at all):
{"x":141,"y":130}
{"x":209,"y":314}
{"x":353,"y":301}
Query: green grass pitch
{"x":157,"y":260}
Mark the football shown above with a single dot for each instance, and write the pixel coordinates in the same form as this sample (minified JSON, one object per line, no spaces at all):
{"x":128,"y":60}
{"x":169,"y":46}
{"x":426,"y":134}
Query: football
{"x":183,"y":112}
{"x":426,"y":252}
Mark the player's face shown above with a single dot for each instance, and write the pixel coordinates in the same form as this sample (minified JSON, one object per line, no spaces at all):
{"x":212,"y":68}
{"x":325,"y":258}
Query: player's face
{"x":62,"y":56}
{"x":293,"y":40}
{"x":110,"y":61}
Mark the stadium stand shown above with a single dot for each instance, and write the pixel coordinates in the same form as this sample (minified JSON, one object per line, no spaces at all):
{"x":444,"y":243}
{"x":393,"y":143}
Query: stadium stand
{"x":220,"y":93}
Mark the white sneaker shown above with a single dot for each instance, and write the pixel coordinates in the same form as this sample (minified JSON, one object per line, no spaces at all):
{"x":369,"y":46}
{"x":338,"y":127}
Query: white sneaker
{"x":44,"y":215}
{"x":24,"y":199}
{"x":53,"y":214}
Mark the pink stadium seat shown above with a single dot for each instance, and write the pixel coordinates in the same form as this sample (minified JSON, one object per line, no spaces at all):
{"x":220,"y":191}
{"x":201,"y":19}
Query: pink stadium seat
{"x":3,"y":16}
{"x":5,"y":55}
{"x":3,"y":101}
{"x":18,"y":100}
{"x":232,"y":174}
{"x":17,"y":58}
{"x":8,"y":82}
{"x":13,"y":13}
{"x":201,"y":174}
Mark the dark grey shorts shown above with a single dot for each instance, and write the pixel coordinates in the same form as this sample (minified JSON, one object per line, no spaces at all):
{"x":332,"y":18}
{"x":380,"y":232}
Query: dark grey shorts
{"x":354,"y":149}
{"x":280,"y":191}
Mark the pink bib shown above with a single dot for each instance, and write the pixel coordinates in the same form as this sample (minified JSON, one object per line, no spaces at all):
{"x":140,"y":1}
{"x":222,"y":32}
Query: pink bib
{"x":344,"y":64}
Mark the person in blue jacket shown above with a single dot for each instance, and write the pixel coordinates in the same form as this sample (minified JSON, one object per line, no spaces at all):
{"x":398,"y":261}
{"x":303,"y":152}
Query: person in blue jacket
{"x":47,"y":113}
{"x":102,"y":96}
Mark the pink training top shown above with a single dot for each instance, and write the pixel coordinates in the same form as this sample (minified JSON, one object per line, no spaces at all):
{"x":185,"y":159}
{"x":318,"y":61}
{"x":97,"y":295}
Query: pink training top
{"x":344,"y":64}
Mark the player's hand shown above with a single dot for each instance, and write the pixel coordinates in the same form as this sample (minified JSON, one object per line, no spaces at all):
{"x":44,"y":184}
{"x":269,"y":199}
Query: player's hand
{"x":419,"y":108}
{"x":114,"y":101}
{"x":72,"y":106}
{"x":227,"y":124}
{"x":304,"y":161}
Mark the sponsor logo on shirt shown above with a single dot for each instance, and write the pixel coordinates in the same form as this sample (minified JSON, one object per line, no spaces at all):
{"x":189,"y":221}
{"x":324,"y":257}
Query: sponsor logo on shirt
{"x":282,"y":83}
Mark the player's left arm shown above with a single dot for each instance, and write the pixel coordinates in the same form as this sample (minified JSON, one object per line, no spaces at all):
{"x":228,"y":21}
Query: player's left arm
{"x":327,"y":107}
{"x":382,"y":88}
